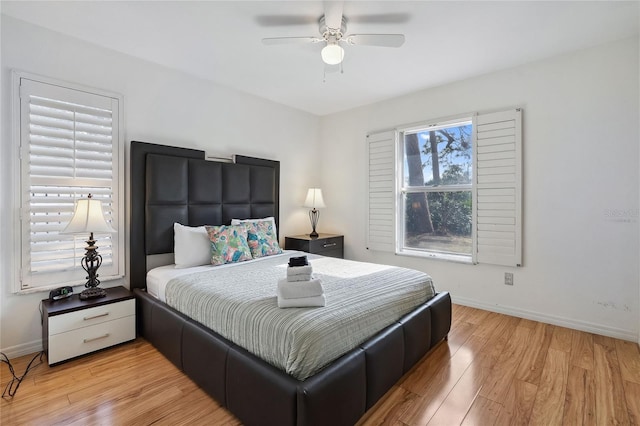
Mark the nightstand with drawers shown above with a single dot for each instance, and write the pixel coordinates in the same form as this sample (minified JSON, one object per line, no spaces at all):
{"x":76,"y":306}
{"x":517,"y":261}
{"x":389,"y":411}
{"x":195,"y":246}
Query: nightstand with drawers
{"x":325,"y":244}
{"x":72,"y":327}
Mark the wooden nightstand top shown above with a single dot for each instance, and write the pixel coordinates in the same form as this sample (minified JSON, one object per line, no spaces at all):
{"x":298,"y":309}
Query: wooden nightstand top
{"x":307,"y":237}
{"x":73,"y":303}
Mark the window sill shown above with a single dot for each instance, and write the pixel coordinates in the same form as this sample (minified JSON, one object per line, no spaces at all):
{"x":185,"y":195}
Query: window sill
{"x":76,"y":286}
{"x":456,"y":258}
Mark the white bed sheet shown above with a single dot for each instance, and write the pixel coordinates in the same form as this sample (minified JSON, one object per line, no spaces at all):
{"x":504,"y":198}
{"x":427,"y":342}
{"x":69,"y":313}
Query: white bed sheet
{"x":157,"y":278}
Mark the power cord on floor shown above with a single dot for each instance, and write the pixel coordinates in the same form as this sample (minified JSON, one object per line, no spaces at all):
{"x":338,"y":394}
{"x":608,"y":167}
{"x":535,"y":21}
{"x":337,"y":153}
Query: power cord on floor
{"x":12,"y":387}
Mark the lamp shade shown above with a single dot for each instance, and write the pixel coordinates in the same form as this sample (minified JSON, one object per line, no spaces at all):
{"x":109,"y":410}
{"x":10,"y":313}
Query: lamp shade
{"x":314,"y":199}
{"x":88,"y":217}
{"x":332,"y":54}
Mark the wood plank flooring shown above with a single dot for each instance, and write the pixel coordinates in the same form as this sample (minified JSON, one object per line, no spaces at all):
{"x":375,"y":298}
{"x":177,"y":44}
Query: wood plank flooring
{"x":494,"y":369}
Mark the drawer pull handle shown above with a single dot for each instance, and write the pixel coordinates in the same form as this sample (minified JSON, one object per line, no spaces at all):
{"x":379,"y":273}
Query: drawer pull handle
{"x":96,"y":316}
{"x":96,"y":338}
{"x":330,"y":245}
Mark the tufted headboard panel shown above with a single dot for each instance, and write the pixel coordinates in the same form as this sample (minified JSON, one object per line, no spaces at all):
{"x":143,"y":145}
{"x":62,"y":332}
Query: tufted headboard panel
{"x":171,"y":185}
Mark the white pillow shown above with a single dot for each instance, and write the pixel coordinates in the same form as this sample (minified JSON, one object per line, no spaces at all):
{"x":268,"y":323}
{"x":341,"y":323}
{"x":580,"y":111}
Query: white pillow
{"x":239,"y":221}
{"x":191,"y":247}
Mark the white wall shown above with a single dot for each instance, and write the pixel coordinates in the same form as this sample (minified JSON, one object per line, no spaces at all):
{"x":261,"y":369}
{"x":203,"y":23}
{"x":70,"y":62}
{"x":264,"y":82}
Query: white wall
{"x":581,"y":133}
{"x":161,"y":106}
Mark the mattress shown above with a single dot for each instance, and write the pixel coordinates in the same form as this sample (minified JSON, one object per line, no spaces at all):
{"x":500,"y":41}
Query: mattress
{"x":157,"y":278}
{"x":238,"y":302}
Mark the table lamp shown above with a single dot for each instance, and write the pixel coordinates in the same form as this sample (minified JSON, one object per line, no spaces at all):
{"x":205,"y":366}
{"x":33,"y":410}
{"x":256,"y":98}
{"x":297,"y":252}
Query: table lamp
{"x":89,"y":217}
{"x":315,"y":201}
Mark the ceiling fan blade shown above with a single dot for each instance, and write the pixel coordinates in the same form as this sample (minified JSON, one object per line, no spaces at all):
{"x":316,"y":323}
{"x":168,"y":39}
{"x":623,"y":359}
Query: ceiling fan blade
{"x":381,"y":18}
{"x":333,"y":14}
{"x":382,"y":40}
{"x":290,"y":40}
{"x":285,"y":20}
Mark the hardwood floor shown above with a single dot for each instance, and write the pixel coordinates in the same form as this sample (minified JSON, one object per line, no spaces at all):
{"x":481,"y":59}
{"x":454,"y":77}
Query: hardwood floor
{"x":494,"y":369}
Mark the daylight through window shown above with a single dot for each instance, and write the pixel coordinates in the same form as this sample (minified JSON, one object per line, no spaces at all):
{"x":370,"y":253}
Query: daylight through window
{"x":436,"y":184}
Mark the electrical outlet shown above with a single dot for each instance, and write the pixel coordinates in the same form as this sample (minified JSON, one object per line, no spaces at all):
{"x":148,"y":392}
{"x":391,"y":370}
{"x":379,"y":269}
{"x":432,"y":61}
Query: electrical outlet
{"x":508,"y":278}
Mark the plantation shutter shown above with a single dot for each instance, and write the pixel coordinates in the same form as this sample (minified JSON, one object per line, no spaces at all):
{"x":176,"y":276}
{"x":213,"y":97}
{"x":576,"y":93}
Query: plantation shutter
{"x":497,"y":189}
{"x":69,"y":148}
{"x":380,"y":223}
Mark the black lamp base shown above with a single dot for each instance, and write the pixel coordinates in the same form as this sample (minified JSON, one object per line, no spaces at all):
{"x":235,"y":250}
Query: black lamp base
{"x":314,"y":215}
{"x":93,"y":293}
{"x":90,"y":263}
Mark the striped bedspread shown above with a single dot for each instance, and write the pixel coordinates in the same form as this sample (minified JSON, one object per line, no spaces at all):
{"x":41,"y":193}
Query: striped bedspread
{"x":239,"y":303}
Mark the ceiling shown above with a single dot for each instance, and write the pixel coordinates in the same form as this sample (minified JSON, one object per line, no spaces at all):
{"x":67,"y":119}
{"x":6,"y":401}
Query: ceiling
{"x":445,"y":41}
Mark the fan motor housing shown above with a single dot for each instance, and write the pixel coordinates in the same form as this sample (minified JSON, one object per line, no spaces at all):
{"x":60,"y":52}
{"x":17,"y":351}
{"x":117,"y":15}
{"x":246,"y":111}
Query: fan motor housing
{"x":328,"y":33}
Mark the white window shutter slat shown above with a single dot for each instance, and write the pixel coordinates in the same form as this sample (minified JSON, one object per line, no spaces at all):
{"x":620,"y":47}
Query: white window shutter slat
{"x":381,"y":194}
{"x":498,"y":188}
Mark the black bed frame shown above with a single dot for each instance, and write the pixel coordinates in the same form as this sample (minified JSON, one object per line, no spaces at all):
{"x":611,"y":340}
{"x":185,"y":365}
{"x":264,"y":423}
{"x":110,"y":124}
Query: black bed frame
{"x":170,"y":184}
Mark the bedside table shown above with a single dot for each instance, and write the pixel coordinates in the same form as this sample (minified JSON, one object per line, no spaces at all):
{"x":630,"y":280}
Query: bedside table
{"x":325,"y":245}
{"x":72,"y":327}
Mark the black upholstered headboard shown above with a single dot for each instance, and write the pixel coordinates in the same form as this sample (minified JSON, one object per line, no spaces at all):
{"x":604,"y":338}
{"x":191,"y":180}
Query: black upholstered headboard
{"x":171,"y":184}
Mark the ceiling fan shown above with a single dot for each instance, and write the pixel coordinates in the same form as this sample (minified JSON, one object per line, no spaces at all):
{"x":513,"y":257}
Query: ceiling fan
{"x":333,"y":33}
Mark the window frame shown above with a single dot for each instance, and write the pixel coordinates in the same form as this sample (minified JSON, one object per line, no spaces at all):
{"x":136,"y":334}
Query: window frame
{"x":401,"y":189}
{"x":21,"y":245}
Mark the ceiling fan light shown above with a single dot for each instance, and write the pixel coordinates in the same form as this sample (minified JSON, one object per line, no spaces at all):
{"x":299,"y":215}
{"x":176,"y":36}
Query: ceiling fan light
{"x":332,"y":54}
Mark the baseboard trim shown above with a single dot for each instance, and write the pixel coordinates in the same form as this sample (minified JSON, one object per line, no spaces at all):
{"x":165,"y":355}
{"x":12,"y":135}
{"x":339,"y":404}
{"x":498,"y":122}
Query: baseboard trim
{"x":23,"y":349}
{"x":549,"y":319}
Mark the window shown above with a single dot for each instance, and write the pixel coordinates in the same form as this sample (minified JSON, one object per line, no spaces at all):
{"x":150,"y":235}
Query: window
{"x":449,"y":189}
{"x":69,"y":147}
{"x":435,"y":187}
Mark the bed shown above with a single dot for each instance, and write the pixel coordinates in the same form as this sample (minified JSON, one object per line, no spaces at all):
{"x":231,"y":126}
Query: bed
{"x":171,"y":184}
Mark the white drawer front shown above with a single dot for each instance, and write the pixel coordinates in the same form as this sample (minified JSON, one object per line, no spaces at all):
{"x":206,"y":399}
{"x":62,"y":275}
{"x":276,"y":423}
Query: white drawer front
{"x":73,"y":343}
{"x":85,"y":317}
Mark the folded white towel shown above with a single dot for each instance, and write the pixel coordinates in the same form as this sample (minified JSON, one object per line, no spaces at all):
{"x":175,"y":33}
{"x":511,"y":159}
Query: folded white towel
{"x":302,"y":302}
{"x":299,"y":278}
{"x":293,"y":271}
{"x":296,"y":290}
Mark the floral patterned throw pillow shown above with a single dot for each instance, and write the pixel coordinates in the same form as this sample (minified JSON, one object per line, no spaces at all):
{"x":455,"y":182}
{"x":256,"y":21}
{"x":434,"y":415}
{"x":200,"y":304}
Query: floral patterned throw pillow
{"x":228,"y":244}
{"x":262,"y":239}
